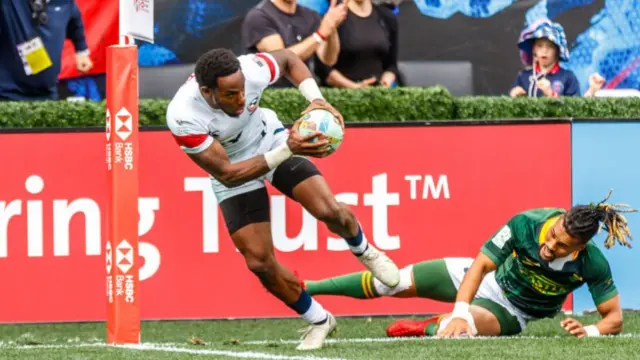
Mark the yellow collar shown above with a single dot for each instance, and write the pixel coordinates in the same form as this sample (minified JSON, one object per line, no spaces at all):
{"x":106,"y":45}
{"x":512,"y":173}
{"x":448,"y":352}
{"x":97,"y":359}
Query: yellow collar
{"x":545,"y":228}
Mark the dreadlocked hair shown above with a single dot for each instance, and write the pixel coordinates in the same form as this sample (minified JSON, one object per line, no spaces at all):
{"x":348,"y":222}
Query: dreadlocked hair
{"x":585,"y":221}
{"x":214,"y":64}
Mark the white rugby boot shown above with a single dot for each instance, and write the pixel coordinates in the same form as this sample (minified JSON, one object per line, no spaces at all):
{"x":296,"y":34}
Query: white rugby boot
{"x":381,"y":266}
{"x":314,"y":336}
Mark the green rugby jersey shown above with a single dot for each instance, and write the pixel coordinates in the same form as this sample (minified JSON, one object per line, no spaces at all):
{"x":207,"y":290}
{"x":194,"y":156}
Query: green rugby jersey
{"x":538,"y":287}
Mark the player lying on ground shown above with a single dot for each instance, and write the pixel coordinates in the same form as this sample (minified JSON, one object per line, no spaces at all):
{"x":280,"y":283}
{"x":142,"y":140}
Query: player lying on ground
{"x":524,"y":272}
{"x":216,"y":120}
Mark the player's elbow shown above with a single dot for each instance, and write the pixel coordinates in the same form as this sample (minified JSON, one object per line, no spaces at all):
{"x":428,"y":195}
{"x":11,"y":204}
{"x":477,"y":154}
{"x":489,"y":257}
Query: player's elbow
{"x":484,"y":264}
{"x":285,"y":57}
{"x":230,"y":182}
{"x":617,"y":325}
{"x":230,"y":177}
{"x":288,"y":54}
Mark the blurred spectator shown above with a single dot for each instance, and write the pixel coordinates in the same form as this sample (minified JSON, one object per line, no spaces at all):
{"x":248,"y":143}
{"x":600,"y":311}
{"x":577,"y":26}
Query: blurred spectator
{"x":368,"y":48}
{"x":542,"y":45}
{"x":596,"y":81}
{"x":278,"y":24}
{"x":32,"y":35}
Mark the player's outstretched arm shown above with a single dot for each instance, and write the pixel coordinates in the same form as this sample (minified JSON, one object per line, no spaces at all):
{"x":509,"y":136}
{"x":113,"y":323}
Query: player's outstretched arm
{"x":299,"y":74}
{"x":215,"y":161}
{"x":291,"y":66}
{"x":462,"y":318}
{"x":473,"y":278}
{"x":610,"y":324}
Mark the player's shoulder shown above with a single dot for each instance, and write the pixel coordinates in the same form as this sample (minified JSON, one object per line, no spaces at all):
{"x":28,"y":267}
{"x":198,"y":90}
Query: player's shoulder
{"x":256,"y":61}
{"x":182,"y":100}
{"x":185,"y":111}
{"x":250,"y":62}
{"x":526,"y":224}
{"x":537,"y":215}
{"x":593,"y":262}
{"x":593,"y":254}
{"x":261,"y":68}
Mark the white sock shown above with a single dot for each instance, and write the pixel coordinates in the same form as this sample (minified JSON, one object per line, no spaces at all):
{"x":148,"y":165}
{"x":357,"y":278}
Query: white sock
{"x":358,"y":250}
{"x":316,"y":313}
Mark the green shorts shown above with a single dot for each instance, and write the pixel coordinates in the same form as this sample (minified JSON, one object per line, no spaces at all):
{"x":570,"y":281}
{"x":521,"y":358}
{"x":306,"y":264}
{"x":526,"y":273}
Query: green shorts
{"x":440,"y":280}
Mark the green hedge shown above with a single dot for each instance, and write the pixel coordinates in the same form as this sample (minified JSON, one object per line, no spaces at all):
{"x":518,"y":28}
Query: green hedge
{"x":373,"y":104}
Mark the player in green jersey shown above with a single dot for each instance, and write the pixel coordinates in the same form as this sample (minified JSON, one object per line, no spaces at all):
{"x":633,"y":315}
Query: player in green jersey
{"x":523,"y":273}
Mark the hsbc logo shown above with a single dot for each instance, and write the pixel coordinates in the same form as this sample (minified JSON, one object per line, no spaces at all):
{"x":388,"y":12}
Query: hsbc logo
{"x":124,"y":124}
{"x":124,"y":256}
{"x":108,"y":125}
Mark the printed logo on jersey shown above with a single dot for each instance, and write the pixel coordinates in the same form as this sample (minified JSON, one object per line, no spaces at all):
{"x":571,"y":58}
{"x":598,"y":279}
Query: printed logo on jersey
{"x":253,"y":105}
{"x":530,"y":262}
{"x":259,"y":61}
{"x":557,"y":86}
{"x":543,"y":284}
{"x":231,"y":139}
{"x":502,"y":237}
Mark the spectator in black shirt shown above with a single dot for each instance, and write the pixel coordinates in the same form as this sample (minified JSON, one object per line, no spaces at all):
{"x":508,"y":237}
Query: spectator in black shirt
{"x":278,"y":24}
{"x":368,"y":48}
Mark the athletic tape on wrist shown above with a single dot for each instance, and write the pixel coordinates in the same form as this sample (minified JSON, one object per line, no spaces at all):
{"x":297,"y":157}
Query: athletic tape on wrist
{"x":461,"y":311}
{"x":592,"y":331}
{"x":277,"y":156}
{"x":310,"y":90}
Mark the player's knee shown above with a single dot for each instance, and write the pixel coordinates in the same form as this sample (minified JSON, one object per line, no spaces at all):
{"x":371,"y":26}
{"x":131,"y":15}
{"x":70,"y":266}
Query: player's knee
{"x":261,"y":264}
{"x":330,"y":211}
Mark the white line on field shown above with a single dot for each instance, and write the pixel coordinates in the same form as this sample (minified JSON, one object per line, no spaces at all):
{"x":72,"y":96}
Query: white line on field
{"x":174,"y":349}
{"x":426,"y":338}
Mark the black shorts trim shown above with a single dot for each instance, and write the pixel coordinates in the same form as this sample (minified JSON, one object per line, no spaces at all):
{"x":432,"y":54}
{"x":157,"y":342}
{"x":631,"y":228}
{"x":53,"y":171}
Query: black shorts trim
{"x":292,"y":172}
{"x":244,"y":209}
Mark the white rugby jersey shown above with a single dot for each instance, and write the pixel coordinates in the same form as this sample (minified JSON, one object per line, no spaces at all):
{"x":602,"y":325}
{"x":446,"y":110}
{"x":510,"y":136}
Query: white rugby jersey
{"x":195,"y":125}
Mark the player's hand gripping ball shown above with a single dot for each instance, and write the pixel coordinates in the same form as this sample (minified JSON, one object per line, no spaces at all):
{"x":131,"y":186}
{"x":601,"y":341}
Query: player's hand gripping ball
{"x":325,"y":122}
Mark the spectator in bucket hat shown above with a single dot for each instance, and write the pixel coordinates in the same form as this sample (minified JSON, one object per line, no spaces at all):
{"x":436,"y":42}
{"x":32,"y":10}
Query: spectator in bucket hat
{"x":543,"y":44}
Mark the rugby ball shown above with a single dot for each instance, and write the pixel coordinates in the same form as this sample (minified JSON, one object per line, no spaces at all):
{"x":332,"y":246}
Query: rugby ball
{"x":325,"y":122}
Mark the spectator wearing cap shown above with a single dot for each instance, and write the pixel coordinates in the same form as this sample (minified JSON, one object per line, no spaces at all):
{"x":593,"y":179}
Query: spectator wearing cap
{"x":542,"y":46}
{"x":276,"y":24}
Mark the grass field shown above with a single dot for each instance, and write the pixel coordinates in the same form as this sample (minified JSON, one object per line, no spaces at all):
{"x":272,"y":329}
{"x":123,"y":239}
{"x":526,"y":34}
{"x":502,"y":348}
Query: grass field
{"x":357,"y":338}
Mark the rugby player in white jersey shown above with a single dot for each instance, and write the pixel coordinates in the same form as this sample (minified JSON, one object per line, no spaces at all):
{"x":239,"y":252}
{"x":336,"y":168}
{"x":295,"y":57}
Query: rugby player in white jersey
{"x":216,"y":119}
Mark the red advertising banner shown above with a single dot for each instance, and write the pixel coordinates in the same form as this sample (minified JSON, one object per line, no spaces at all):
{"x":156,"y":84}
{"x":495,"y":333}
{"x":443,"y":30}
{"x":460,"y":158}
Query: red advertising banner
{"x":420,"y":193}
{"x":122,"y":168}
